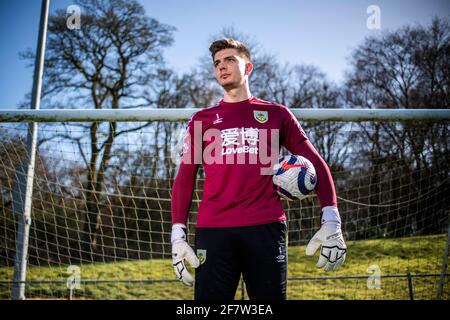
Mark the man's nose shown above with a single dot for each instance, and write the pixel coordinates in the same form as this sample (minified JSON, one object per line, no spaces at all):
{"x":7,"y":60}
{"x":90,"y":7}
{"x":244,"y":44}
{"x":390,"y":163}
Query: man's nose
{"x":222,"y":66}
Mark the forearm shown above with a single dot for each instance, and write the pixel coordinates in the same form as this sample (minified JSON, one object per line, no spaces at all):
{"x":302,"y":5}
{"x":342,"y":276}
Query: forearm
{"x":325,"y":185}
{"x":182,"y":192}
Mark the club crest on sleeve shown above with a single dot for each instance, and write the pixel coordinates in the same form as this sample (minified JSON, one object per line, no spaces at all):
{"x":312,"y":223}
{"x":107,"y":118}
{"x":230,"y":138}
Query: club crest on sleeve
{"x":201,"y":255}
{"x":261,"y":116}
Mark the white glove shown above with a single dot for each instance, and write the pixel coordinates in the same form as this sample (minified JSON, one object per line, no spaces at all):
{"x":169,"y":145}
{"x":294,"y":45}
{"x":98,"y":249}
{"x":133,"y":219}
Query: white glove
{"x":330,"y":240}
{"x":181,"y":251}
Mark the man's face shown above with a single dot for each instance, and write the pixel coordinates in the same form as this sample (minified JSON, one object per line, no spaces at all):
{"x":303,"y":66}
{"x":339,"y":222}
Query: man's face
{"x":231,"y":69}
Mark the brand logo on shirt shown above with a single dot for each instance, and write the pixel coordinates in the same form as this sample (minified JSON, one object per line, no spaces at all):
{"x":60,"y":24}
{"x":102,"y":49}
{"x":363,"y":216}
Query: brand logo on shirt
{"x":261,"y":116}
{"x":218,"y":119}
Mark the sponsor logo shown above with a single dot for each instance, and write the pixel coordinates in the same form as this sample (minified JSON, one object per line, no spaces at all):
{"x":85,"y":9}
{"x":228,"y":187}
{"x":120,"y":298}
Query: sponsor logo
{"x":239,"y":140}
{"x":244,"y":149}
{"x":238,"y":145}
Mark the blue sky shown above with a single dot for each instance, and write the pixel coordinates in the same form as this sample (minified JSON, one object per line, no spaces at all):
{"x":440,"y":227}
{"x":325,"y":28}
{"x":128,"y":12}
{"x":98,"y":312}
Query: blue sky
{"x":321,"y":33}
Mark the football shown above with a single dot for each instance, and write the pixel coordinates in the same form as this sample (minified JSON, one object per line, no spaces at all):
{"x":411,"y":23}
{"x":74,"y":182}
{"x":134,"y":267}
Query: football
{"x":294,"y":177}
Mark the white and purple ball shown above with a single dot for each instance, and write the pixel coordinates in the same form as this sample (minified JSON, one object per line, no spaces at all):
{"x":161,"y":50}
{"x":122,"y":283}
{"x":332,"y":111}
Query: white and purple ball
{"x":294,"y":177}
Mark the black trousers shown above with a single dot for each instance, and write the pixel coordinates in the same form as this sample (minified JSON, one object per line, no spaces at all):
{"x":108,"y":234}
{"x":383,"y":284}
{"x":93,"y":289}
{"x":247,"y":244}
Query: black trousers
{"x":257,"y":252}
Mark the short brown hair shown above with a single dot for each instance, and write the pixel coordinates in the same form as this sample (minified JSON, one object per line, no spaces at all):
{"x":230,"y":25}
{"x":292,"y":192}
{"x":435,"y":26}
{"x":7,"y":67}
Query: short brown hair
{"x":228,"y":43}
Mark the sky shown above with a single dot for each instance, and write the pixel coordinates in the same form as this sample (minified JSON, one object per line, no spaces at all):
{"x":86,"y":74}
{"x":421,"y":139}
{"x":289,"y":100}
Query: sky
{"x":320,"y":33}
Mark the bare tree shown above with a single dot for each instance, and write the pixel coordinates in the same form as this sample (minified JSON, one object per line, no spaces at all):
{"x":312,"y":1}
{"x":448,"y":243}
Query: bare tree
{"x":107,"y":63}
{"x":406,"y":68}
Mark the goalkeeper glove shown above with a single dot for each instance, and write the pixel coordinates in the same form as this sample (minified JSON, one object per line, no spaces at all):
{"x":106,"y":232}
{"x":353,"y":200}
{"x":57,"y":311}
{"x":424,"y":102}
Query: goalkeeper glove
{"x":182,"y":251}
{"x":330,"y":240}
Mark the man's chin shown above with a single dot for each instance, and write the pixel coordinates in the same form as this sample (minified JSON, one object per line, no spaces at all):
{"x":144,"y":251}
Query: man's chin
{"x":229,"y":85}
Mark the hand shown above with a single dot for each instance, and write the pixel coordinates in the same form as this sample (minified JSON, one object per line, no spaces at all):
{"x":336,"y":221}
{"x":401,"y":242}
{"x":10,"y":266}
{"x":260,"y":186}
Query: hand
{"x":331,"y":243}
{"x":182,"y":251}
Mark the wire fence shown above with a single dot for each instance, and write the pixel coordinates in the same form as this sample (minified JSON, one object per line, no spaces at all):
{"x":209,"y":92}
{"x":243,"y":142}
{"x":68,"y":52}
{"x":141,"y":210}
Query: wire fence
{"x":367,"y":287}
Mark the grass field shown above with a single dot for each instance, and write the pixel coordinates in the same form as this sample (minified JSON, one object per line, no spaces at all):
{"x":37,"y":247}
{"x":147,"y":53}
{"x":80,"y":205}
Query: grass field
{"x":415,"y":255}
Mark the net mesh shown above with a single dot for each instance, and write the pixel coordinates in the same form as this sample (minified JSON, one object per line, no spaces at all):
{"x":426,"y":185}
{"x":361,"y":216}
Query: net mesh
{"x":102,"y":192}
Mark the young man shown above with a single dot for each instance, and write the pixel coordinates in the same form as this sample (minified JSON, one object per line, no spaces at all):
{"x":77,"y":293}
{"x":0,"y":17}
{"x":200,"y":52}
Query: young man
{"x":241,"y":227}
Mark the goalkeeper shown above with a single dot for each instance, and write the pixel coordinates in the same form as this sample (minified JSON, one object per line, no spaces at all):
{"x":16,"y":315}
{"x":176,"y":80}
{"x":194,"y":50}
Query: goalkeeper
{"x":241,"y":226}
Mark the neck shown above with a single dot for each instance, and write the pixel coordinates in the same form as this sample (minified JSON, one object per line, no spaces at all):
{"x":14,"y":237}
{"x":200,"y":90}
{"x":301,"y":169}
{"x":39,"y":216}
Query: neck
{"x":237,"y":94}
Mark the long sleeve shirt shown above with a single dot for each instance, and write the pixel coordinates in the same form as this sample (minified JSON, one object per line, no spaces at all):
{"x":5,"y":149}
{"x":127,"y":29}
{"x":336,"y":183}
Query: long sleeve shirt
{"x":233,"y":142}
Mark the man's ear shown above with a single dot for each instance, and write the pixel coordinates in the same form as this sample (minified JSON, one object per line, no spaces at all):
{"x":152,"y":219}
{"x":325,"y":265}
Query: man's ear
{"x":248,"y":68}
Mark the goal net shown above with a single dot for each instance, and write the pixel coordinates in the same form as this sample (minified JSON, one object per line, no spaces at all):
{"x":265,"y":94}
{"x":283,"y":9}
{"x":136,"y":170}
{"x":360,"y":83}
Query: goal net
{"x":101,"y":203}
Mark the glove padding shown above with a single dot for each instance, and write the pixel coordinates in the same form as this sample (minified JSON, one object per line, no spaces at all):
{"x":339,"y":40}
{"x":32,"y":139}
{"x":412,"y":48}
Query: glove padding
{"x":332,"y":246}
{"x":182,"y":251}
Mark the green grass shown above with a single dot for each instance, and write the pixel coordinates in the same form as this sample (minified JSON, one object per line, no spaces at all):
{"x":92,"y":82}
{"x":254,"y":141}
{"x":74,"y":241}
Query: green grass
{"x":415,"y":255}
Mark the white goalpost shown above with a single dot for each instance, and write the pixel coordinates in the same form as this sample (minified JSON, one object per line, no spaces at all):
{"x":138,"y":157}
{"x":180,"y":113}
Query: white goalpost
{"x":100,"y":203}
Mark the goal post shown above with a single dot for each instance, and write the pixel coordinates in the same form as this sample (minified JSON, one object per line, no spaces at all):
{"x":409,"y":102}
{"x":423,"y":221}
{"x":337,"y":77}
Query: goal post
{"x":24,"y":222}
{"x":101,"y":203}
{"x":145,"y":114}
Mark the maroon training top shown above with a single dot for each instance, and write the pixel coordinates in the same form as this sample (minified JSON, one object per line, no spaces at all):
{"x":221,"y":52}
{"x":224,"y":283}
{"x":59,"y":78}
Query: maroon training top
{"x":233,"y":141}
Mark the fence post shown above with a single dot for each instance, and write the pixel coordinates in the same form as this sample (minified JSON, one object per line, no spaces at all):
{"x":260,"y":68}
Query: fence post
{"x":444,"y":264}
{"x":24,"y":202}
{"x":70,"y":293}
{"x":410,"y":287}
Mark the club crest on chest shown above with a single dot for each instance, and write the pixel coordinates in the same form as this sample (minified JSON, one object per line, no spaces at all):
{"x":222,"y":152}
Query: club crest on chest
{"x":261,"y":116}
